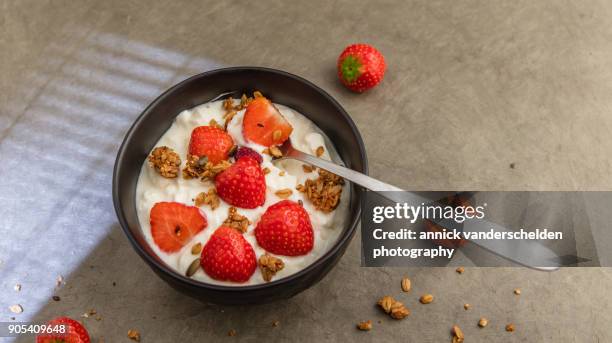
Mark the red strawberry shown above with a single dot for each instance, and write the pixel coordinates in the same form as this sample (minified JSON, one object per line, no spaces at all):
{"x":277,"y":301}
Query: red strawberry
{"x":247,"y":152}
{"x":264,"y":124}
{"x":212,"y":142}
{"x":228,"y":256}
{"x":243,"y":184}
{"x":361,"y":67}
{"x":174,"y":224}
{"x":74,"y":332}
{"x":285,"y":229}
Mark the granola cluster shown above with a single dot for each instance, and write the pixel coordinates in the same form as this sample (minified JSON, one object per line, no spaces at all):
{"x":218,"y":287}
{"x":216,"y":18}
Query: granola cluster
{"x":165,"y":161}
{"x":324,"y":192}
{"x":236,"y":221}
{"x":273,"y":151}
{"x":231,"y":109}
{"x":394,"y":308}
{"x":200,"y":168}
{"x":209,"y":198}
{"x":269,"y":266}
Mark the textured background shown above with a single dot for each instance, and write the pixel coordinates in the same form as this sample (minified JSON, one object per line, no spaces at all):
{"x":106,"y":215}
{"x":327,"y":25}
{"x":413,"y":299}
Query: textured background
{"x":472,"y":86}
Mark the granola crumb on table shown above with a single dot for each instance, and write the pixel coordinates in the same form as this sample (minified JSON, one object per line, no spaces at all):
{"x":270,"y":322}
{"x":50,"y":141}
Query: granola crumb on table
{"x":269,"y":265}
{"x":236,"y":221}
{"x":394,"y":308}
{"x":458,"y":336}
{"x":165,"y":161}
{"x":365,"y":325}
{"x":134,"y":335}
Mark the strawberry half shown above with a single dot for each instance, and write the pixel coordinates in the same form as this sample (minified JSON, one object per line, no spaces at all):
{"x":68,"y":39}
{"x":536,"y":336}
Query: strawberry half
{"x":285,"y":229}
{"x":174,"y":224}
{"x":264,"y":124}
{"x":227,"y":256}
{"x":361,"y":67}
{"x":243,"y":184}
{"x":75,"y":332}
{"x":212,"y":142}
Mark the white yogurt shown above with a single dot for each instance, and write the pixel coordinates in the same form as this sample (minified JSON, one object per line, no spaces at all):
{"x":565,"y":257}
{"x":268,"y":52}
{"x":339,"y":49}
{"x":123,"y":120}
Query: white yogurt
{"x":153,"y":188}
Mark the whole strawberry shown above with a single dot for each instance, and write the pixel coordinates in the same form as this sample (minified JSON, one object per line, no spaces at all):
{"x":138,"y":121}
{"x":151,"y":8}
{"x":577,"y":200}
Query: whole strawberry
{"x":285,"y":229}
{"x":243,"y":184}
{"x":65,"y":330}
{"x":244,"y":151}
{"x":227,"y":256}
{"x":361,"y":67}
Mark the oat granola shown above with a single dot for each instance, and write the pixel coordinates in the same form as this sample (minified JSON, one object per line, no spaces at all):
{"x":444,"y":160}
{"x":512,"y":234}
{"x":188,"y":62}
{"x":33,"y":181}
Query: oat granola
{"x":134,"y":335}
{"x":284,"y":193}
{"x":320,"y":150}
{"x":365,"y":325}
{"x":324,"y":192}
{"x":209,"y":198}
{"x":275,"y":151}
{"x":231,"y":110}
{"x":214,"y":123}
{"x":201,"y":168}
{"x":269,"y":266}
{"x":236,"y":221}
{"x":165,"y":161}
{"x":394,"y":308}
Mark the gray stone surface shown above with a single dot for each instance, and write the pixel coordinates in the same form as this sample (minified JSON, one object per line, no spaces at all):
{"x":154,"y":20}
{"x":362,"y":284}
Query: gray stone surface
{"x":472,"y":86}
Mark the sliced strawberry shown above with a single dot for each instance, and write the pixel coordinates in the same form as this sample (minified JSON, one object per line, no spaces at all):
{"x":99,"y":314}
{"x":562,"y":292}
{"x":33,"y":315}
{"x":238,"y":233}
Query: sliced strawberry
{"x":285,"y":229}
{"x":264,"y":124}
{"x":174,"y":224}
{"x":212,"y":142}
{"x":243,"y":184}
{"x":74,"y":332}
{"x":228,"y":256}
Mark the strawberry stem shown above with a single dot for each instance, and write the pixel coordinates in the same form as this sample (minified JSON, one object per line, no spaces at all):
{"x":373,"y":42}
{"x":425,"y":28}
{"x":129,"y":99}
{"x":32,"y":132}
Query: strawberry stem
{"x":351,"y":68}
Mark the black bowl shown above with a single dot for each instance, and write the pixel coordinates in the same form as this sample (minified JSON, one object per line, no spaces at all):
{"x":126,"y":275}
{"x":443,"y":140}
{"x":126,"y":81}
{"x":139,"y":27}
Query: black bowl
{"x":281,"y":87}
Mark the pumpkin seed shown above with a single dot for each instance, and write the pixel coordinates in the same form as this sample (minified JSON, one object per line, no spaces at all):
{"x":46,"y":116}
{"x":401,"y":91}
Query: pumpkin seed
{"x":193,"y":267}
{"x":196,"y":248}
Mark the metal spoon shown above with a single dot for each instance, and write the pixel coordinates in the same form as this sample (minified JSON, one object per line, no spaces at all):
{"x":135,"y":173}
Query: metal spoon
{"x":528,"y":253}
